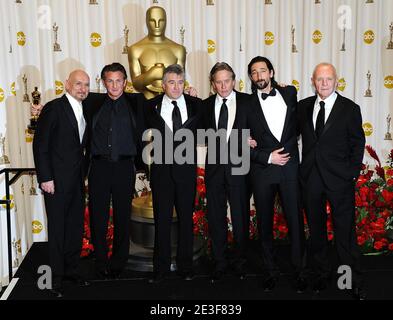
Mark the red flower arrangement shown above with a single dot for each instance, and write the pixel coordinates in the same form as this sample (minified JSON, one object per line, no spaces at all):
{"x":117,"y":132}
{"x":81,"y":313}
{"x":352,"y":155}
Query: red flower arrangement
{"x":374,"y":210}
{"x":87,"y":246}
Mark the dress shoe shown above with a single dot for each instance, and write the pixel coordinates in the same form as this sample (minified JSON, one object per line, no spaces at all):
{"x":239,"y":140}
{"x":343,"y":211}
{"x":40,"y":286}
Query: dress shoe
{"x":78,"y":281}
{"x":217,"y":276}
{"x":320,"y":284}
{"x":157,"y":278}
{"x":300,"y":285}
{"x":57,"y":292}
{"x":103,"y":274}
{"x":239,"y":271}
{"x":186,"y":275}
{"x":358,"y":293}
{"x":269,"y":283}
{"x":115,"y":274}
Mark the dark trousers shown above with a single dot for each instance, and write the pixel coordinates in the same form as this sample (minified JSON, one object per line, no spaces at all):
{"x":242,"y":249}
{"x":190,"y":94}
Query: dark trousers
{"x":168,"y":194}
{"x":315,"y":194}
{"x":220,"y":190}
{"x":111,"y":181}
{"x":264,"y":197}
{"x":65,"y":212}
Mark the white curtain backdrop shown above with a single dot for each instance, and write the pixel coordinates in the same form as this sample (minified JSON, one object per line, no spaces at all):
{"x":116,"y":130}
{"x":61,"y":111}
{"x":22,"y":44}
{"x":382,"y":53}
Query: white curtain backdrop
{"x":91,"y":35}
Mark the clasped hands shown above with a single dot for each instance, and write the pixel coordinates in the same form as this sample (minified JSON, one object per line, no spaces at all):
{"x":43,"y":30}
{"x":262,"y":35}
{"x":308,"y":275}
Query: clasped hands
{"x":276,"y":157}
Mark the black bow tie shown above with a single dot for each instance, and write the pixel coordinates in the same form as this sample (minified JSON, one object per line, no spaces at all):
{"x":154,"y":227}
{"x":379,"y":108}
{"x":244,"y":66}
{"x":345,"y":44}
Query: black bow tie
{"x":271,"y":93}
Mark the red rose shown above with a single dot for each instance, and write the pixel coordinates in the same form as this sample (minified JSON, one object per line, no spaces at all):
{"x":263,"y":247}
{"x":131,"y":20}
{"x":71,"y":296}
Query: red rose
{"x":361,"y":240}
{"x":390,"y":247}
{"x":378,"y":245}
{"x":361,"y":181}
{"x":387,"y":195}
{"x":200,"y":172}
{"x":389,"y":182}
{"x":283,"y":229}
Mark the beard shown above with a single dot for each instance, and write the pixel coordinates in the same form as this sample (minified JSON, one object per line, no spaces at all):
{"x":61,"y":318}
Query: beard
{"x":262,"y":84}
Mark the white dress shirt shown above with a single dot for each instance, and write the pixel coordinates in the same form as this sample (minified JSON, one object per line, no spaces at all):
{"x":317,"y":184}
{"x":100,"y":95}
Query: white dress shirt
{"x":78,"y":112}
{"x":167,"y":109}
{"x":231,"y":104}
{"x":329,"y":103}
{"x":275,"y":110}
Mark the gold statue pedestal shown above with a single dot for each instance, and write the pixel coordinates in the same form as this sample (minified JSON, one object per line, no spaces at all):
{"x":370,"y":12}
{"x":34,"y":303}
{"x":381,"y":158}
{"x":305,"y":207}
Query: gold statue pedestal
{"x":142,"y":237}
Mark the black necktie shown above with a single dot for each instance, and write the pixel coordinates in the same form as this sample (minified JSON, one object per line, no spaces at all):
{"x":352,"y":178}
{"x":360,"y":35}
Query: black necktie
{"x":271,"y":93}
{"x":320,"y":123}
{"x":223,"y":118}
{"x":176,"y":117}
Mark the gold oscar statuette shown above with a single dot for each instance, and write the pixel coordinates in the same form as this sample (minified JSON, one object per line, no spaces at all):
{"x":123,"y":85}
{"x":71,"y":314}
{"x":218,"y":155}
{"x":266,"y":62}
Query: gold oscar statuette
{"x":294,"y":49}
{"x":25,"y":95}
{"x":148,"y":57}
{"x":268,"y":2}
{"x":370,"y":1}
{"x":3,"y":157}
{"x":56,"y":45}
{"x":126,"y":32}
{"x":368,"y":93}
{"x":93,"y":2}
{"x":36,"y":96}
{"x":388,"y":135}
{"x":390,"y":44}
{"x":210,"y":2}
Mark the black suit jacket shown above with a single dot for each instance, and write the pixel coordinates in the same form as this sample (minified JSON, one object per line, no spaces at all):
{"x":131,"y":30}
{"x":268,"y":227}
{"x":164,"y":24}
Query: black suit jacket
{"x":153,"y":119}
{"x":242,"y":110}
{"x":58,"y":153}
{"x":339,"y":151}
{"x":267,"y":142}
{"x":135,"y":103}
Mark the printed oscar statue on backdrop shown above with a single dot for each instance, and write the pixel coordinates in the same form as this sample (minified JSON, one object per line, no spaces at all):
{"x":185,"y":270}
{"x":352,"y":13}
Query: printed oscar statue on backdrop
{"x":388,"y":135}
{"x":3,"y":157}
{"x":149,"y":57}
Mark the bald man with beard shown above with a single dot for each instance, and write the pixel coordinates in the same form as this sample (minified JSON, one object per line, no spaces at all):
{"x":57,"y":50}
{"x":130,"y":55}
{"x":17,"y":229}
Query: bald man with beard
{"x":59,"y":156}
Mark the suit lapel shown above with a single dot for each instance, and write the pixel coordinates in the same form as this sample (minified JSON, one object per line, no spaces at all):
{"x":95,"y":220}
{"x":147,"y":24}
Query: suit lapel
{"x":131,"y":113}
{"x":211,"y":114}
{"x":288,"y":111}
{"x":334,"y":114}
{"x":191,"y":112}
{"x":70,"y":115}
{"x":262,"y":115}
{"x":100,"y":102}
{"x":309,"y":113}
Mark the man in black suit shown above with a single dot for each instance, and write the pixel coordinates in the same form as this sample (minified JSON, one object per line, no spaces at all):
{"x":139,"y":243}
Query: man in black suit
{"x":59,"y":156}
{"x":115,"y":124}
{"x":333,"y":146}
{"x":226,"y":111}
{"x":173,"y":181}
{"x":274,"y":166}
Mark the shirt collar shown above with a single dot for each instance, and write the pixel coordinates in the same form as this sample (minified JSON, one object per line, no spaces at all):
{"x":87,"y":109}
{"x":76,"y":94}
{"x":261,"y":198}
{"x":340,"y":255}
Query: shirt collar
{"x":180,"y":101}
{"x":229,"y":98}
{"x":72,"y":100}
{"x":329,"y":101}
